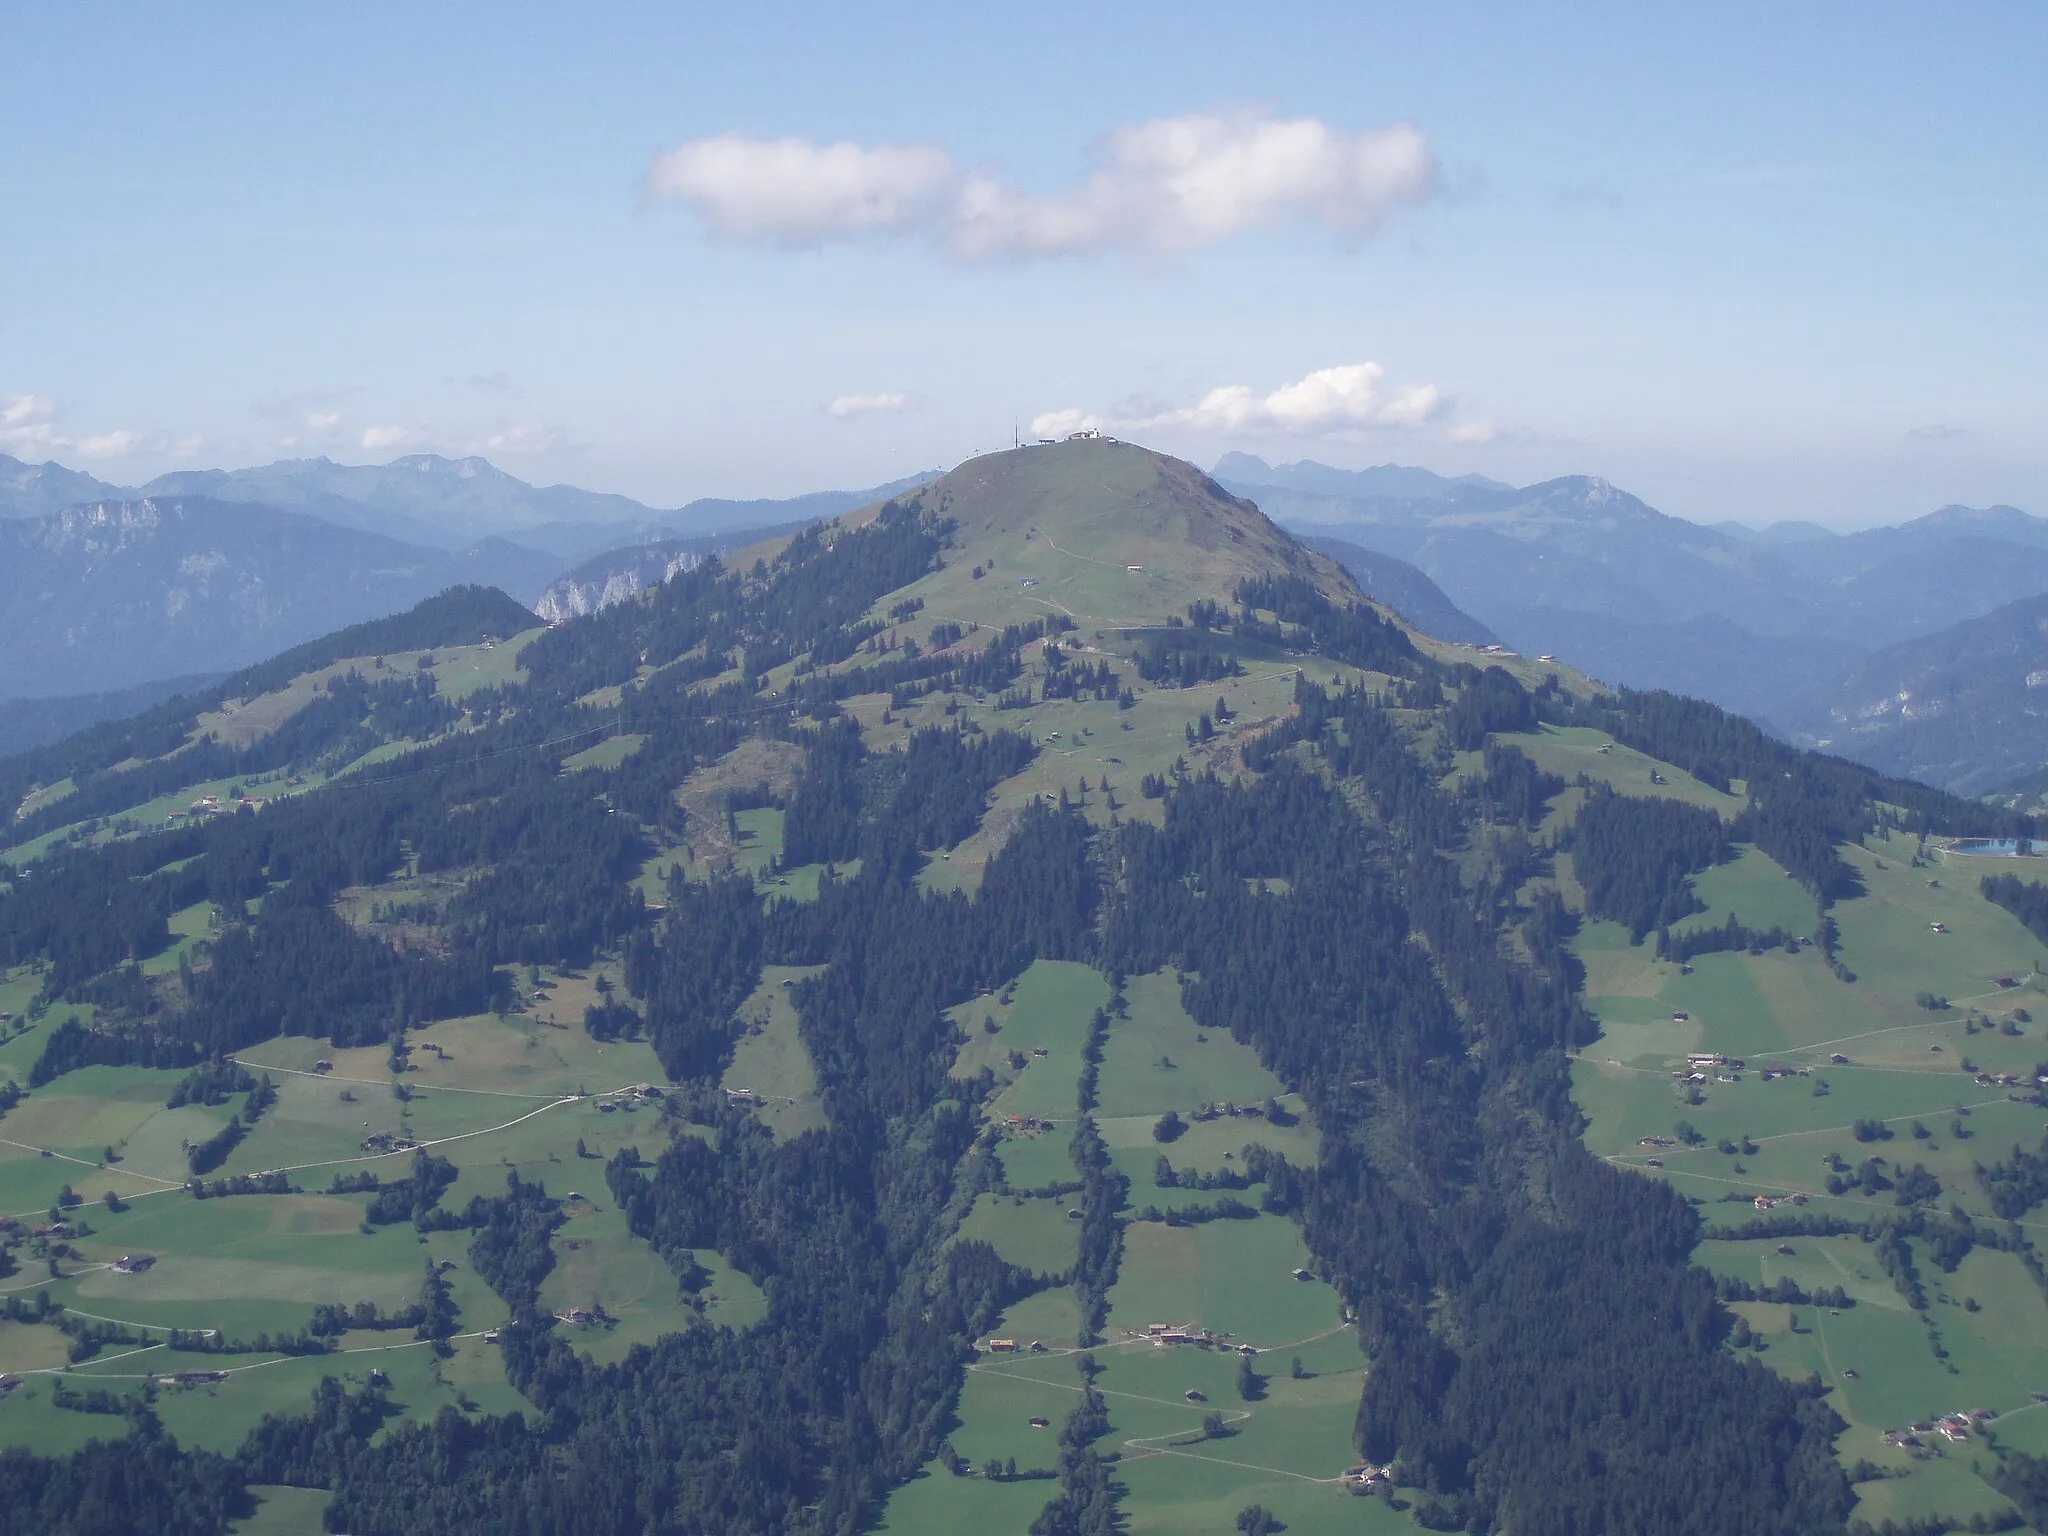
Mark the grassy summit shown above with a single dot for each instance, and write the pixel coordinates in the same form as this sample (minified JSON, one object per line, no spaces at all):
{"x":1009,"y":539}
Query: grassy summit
{"x":1109,"y":534}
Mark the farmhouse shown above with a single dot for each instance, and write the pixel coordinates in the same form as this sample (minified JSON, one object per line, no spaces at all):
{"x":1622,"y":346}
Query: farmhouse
{"x":1002,"y":1346}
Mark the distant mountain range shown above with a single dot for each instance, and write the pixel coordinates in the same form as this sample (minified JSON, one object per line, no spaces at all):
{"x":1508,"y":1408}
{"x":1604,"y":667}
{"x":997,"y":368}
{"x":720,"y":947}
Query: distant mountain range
{"x":1965,"y":707}
{"x":111,"y":594}
{"x":107,"y":589}
{"x":112,"y":588}
{"x":1782,"y":623}
{"x":425,"y":498}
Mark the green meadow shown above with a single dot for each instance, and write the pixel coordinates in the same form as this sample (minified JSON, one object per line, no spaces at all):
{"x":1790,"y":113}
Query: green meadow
{"x":1919,"y":929}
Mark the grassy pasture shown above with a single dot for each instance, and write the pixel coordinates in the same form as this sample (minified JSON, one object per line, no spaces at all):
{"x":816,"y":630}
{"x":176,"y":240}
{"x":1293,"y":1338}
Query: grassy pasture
{"x":1089,"y":740}
{"x":1049,"y":1009}
{"x":188,"y":927}
{"x":1035,"y":1234}
{"x":599,"y":1262}
{"x":1205,"y":1067}
{"x":1754,"y":887}
{"x":1035,"y":1159}
{"x":1211,"y":1145}
{"x":1570,"y":750}
{"x":771,"y":1061}
{"x":1904,"y":1067}
{"x":1233,"y":1277}
{"x":1997,"y":1357}
{"x":285,"y":1512}
{"x":935,"y":1503}
{"x":1051,"y":1315}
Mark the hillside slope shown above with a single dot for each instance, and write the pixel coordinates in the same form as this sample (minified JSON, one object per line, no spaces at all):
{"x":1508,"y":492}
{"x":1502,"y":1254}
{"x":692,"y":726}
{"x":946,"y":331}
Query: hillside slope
{"x":1965,"y":709}
{"x":770,"y":1050}
{"x":1404,"y":588}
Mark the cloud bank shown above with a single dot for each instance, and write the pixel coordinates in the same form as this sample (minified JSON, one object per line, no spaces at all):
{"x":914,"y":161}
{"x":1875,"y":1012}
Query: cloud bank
{"x":1165,"y":187}
{"x":28,"y":429}
{"x":866,"y":405}
{"x":1350,"y":399}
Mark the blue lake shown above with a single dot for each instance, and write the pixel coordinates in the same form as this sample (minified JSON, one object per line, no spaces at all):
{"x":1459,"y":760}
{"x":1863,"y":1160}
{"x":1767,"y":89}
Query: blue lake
{"x":1997,"y":847}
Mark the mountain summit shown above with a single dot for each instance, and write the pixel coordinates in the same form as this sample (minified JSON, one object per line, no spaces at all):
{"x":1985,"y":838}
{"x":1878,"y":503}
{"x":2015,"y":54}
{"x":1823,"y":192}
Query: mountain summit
{"x":1106,"y":533}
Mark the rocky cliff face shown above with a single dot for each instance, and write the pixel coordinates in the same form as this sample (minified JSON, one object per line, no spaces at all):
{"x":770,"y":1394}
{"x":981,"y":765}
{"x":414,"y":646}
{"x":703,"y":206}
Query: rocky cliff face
{"x":636,"y":570}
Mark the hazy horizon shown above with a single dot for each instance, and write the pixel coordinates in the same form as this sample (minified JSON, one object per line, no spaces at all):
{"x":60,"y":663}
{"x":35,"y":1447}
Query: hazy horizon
{"x":1751,"y":267}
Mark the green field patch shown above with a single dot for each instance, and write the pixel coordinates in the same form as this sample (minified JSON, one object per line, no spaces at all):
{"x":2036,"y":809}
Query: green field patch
{"x":609,"y":753}
{"x":1159,"y":1059}
{"x":29,"y":1421}
{"x":1087,"y":741}
{"x":599,"y":1263}
{"x":1033,"y":1234}
{"x":284,"y":1512}
{"x":1570,"y":750}
{"x":771,"y":1064}
{"x":936,"y":1503}
{"x":32,"y":1347}
{"x":1755,"y":888}
{"x":1944,"y":1486}
{"x":1209,"y":1146}
{"x":544,"y":1052}
{"x":1286,"y":1450}
{"x":84,"y":1112}
{"x":188,"y":928}
{"x":218,"y":1281}
{"x":1049,"y":1009}
{"x":1051,"y":1316}
{"x":1232,"y":1277}
{"x":996,"y":1407}
{"x":1889,"y":941}
{"x":460,"y":670}
{"x":1038,"y":1159}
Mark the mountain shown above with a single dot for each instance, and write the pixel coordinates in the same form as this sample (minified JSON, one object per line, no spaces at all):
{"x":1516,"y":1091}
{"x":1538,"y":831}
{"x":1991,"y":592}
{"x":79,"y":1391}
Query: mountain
{"x":1384,"y":482}
{"x":1775,"y":535}
{"x":112,"y":594}
{"x":425,"y":498}
{"x":1965,"y":708}
{"x":37,"y":490}
{"x":1751,"y":619}
{"x":1101,"y":533}
{"x":848,"y":1043}
{"x":1400,"y":586}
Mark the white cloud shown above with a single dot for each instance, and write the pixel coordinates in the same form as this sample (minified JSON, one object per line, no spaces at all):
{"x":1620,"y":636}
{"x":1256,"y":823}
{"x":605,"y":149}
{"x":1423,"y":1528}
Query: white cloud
{"x":1170,"y":185}
{"x":795,"y":192}
{"x":1934,"y":433}
{"x":1186,"y":183}
{"x":384,"y":438}
{"x":523,"y":437}
{"x":1060,"y":423}
{"x":28,"y":424}
{"x":1474,"y":433}
{"x":866,"y":405}
{"x":321,"y":422}
{"x":106,"y":445}
{"x":1349,"y":399}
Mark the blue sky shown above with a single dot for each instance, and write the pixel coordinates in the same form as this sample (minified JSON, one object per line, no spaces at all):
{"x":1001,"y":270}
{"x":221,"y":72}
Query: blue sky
{"x":1748,"y":261}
